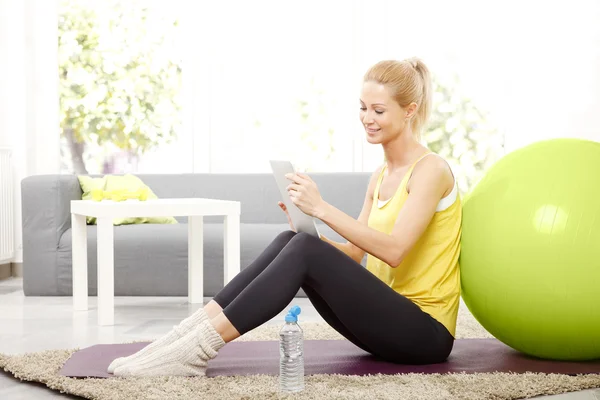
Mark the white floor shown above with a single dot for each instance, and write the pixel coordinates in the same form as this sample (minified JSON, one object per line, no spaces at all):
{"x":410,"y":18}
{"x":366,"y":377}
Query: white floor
{"x":30,"y":324}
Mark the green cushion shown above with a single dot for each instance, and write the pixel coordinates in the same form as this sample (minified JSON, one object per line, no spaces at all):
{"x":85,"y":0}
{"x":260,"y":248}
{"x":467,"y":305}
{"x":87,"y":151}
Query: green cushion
{"x":130,"y":184}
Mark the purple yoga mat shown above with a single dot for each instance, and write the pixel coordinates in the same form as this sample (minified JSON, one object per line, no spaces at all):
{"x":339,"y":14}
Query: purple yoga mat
{"x":337,"y":357}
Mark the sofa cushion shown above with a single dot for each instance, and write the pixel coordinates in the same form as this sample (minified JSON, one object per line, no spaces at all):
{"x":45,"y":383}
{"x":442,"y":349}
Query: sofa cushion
{"x":109,"y":185}
{"x":151,"y":260}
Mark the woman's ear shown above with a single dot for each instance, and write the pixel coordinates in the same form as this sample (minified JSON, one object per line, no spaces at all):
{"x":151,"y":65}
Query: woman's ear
{"x":411,"y":110}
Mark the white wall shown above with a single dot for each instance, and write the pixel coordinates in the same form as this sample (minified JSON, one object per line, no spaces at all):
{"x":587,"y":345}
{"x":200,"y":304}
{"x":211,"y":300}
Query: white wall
{"x":554,"y":90}
{"x":534,"y":64}
{"x":13,"y":105}
{"x":29,"y":92}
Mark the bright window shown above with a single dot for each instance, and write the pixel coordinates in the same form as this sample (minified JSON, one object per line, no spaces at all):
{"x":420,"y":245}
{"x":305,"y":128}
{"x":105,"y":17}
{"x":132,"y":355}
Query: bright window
{"x":120,"y":73}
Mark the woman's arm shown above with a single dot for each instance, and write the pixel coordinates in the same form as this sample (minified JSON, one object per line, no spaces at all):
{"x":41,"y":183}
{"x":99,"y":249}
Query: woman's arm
{"x":430,"y":180}
{"x":354,"y":252}
{"x":344,"y":247}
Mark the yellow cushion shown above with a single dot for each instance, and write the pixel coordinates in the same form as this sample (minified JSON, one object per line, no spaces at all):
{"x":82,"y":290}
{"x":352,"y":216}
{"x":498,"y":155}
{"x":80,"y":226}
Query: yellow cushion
{"x":120,"y":187}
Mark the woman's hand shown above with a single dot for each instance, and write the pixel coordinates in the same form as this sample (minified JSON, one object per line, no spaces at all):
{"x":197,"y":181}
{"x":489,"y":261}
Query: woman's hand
{"x":284,"y":208}
{"x":304,"y":194}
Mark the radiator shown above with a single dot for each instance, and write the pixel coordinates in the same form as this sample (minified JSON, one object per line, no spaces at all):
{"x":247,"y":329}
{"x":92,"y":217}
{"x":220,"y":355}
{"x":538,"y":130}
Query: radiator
{"x":7,"y":233}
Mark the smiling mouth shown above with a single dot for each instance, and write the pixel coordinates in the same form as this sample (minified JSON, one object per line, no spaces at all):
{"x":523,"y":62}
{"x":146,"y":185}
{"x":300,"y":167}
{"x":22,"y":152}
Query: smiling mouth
{"x":369,"y":130}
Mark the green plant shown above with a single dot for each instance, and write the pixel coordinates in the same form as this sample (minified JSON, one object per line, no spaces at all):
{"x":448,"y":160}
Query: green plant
{"x":462,"y":133}
{"x":119,"y":77}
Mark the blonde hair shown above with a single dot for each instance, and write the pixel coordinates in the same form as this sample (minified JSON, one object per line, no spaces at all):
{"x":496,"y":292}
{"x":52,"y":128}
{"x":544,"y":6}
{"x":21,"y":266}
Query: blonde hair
{"x":409,"y":81}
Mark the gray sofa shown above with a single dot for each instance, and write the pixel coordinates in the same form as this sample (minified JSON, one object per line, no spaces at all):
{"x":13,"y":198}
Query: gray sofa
{"x":151,"y":259}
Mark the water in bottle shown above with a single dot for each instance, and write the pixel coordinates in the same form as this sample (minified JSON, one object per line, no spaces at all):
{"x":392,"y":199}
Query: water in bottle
{"x":291,"y":365}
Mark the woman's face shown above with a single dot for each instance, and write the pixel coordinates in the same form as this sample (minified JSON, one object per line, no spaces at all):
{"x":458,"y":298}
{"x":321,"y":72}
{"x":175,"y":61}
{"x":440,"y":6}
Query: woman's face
{"x":382,"y":117}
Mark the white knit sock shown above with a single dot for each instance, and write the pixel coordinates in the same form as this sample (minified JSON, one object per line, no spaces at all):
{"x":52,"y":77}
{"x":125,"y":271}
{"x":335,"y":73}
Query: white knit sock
{"x":177,"y":332}
{"x":187,"y":356}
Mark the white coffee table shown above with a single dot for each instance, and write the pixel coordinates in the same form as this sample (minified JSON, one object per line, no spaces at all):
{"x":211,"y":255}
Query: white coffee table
{"x":105,"y":211}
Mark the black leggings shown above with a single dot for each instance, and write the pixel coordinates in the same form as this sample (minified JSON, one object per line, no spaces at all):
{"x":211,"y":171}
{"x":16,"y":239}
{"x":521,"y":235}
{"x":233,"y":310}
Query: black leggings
{"x":351,"y":299}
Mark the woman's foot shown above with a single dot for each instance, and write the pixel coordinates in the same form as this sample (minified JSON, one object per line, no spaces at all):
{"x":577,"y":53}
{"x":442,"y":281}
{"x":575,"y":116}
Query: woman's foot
{"x":179,"y":331}
{"x":187,"y":356}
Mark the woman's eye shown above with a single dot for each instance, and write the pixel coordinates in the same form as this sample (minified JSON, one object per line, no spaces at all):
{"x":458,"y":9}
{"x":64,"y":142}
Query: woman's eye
{"x":363,"y":108}
{"x":379,"y":111}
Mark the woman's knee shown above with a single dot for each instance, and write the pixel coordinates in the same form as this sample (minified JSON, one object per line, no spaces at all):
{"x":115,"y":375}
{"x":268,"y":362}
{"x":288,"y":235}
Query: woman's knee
{"x":305,"y":237}
{"x":296,"y":245}
{"x":285,"y":236}
{"x":305,"y":241}
{"x":306,"y":248}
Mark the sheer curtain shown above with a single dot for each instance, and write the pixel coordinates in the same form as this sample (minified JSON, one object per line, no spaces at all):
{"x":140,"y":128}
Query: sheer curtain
{"x":269,"y":79}
{"x":278,"y":84}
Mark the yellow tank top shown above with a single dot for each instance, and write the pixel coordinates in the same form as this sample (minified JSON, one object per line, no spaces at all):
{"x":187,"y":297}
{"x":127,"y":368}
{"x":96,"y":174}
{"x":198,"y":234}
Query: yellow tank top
{"x":429,"y":275}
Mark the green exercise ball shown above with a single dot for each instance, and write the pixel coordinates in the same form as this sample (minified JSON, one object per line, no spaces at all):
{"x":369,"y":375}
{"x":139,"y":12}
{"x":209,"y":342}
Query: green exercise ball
{"x":530,"y":256}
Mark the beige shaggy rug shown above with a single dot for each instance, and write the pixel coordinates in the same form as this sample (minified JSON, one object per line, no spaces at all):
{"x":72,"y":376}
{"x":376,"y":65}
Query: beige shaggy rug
{"x":44,"y":367}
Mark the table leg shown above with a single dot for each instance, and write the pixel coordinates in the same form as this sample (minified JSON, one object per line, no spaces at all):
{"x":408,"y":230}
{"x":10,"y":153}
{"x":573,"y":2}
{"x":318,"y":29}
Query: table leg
{"x":106,"y":272}
{"x":195,"y":260}
{"x":79,"y":254}
{"x":231,"y":249}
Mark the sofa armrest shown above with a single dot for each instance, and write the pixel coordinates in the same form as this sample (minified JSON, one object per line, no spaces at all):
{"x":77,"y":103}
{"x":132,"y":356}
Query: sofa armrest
{"x":46,"y":215}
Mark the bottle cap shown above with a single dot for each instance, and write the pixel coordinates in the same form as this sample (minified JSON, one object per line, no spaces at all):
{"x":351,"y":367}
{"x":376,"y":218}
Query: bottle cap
{"x":292,"y":315}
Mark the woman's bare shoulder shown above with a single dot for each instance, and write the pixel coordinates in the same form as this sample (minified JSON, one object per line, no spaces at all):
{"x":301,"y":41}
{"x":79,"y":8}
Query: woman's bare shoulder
{"x":434,"y":166}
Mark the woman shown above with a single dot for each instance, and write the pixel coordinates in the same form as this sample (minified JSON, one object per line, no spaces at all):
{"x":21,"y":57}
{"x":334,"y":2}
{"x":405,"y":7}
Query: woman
{"x":403,"y":306}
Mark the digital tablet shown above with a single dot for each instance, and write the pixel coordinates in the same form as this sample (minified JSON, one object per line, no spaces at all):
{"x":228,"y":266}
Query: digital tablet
{"x":302,"y":222}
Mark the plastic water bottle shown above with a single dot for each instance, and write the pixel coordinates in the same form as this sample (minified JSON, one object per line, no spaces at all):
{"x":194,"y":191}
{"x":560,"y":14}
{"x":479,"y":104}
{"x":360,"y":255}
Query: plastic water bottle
{"x":291,"y":350}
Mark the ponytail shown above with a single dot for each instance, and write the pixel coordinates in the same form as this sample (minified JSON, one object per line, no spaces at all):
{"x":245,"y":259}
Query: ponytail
{"x":421,"y":118}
